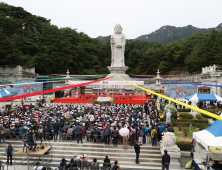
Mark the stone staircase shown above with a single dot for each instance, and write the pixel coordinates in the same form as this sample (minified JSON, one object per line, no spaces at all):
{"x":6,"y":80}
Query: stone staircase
{"x":150,"y":157}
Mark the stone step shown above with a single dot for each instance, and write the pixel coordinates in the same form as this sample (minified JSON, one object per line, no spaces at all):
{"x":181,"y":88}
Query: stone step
{"x":144,"y":146}
{"x":23,"y":165}
{"x":59,"y":148}
{"x":150,"y":157}
{"x":121,"y":163}
{"x":99,"y":154}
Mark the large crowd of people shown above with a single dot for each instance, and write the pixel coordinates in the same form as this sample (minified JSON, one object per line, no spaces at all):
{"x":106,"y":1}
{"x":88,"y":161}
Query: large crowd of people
{"x":100,"y":123}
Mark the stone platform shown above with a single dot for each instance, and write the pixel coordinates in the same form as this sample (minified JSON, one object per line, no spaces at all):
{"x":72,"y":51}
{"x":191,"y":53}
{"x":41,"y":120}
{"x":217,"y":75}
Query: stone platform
{"x":150,"y":157}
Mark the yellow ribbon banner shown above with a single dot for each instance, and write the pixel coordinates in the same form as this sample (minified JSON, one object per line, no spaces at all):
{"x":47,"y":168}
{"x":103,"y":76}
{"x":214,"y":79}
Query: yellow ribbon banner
{"x":176,"y":101}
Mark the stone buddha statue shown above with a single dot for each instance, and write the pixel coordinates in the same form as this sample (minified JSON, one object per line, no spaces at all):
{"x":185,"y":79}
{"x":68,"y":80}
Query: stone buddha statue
{"x":117,"y":41}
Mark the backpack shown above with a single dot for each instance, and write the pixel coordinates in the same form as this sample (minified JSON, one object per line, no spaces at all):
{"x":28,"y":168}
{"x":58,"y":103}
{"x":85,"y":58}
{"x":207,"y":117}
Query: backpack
{"x":141,"y":133}
{"x":154,"y":133}
{"x":167,"y":159}
{"x":147,"y":132}
{"x":115,"y":133}
{"x":175,"y":115}
{"x":133,"y":134}
{"x":28,"y":140}
{"x":106,"y":131}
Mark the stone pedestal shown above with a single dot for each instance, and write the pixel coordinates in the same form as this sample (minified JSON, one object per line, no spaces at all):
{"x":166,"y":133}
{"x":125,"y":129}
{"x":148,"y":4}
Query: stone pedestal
{"x":168,"y":143}
{"x":194,"y":113}
{"x":114,"y":70}
{"x":117,"y":70}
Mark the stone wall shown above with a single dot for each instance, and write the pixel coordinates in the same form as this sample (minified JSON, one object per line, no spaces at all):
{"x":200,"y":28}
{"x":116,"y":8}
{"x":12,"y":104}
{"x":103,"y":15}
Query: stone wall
{"x":16,"y":73}
{"x":185,"y":157}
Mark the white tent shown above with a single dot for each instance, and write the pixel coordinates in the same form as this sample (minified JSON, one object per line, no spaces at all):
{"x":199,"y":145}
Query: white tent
{"x":210,"y":139}
{"x":207,"y":139}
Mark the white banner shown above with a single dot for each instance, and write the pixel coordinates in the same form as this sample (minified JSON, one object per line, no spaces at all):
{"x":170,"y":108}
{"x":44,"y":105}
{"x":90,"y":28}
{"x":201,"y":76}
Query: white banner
{"x":103,"y":99}
{"x":139,"y":83}
{"x":30,"y":99}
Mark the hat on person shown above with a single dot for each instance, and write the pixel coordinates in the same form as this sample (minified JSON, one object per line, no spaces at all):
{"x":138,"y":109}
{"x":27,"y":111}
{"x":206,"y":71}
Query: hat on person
{"x":84,"y":155}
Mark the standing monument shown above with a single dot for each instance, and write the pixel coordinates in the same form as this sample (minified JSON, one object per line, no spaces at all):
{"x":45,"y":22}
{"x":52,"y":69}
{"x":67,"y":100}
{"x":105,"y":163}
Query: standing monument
{"x":118,"y":42}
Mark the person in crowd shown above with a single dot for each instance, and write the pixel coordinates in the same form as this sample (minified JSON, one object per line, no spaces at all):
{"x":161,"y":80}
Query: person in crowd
{"x":9,"y":151}
{"x":170,"y":128}
{"x":125,"y":139}
{"x":147,"y":134}
{"x":7,"y":130}
{"x":37,"y":167}
{"x":153,"y":135}
{"x":137,"y":151}
{"x":175,"y":117}
{"x":22,"y":129}
{"x":63,"y":163}
{"x":56,"y":130}
{"x":132,"y":135}
{"x":115,"y":136}
{"x":70,"y":131}
{"x":85,"y":158}
{"x":116,"y":166}
{"x":75,"y":158}
{"x":49,"y":130}
{"x":94,"y":163}
{"x":165,"y":161}
{"x":2,"y":134}
{"x":107,"y":160}
{"x":162,"y":129}
{"x":140,"y":135}
{"x":107,"y":133}
{"x":30,"y":141}
{"x":65,"y":128}
{"x":72,"y":164}
{"x":78,"y":132}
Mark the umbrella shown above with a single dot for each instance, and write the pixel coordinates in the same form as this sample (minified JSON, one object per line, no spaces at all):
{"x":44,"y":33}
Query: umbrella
{"x":124,"y":131}
{"x":204,"y":97}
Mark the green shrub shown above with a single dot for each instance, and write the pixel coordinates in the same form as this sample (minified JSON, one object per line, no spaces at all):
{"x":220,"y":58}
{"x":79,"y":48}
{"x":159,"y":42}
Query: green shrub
{"x":8,"y":106}
{"x":185,"y":131}
{"x":193,"y":128}
{"x":186,"y":116}
{"x":184,"y":145}
{"x":205,"y":116}
{"x":179,"y":127}
{"x":211,"y":111}
{"x":187,"y":124}
{"x":199,"y":117}
{"x":194,"y":120}
{"x":184,"y":110}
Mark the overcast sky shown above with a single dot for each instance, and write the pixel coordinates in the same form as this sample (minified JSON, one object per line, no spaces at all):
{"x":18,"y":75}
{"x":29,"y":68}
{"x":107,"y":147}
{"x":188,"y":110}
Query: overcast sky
{"x":137,"y":17}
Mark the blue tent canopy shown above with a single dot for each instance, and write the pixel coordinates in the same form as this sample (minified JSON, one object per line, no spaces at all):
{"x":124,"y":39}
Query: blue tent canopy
{"x":215,"y":128}
{"x":204,"y":97}
{"x":6,"y":93}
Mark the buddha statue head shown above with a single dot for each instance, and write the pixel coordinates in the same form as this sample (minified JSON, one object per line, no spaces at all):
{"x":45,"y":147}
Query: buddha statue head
{"x":118,"y":29}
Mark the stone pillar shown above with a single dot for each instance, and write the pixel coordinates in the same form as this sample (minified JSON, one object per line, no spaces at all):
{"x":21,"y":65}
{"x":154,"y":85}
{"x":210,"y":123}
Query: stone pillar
{"x":169,"y":143}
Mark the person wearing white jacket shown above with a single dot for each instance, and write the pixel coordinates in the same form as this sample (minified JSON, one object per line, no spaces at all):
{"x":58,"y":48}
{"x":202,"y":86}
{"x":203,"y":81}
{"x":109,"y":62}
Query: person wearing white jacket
{"x":91,"y":118}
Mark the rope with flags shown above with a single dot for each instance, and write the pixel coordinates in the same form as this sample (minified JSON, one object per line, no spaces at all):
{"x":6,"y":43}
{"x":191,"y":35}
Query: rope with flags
{"x":52,"y":90}
{"x":176,"y":101}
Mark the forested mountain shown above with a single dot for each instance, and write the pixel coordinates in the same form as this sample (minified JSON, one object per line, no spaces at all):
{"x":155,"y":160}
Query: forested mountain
{"x":168,"y":34}
{"x":104,"y":39}
{"x":32,"y":41}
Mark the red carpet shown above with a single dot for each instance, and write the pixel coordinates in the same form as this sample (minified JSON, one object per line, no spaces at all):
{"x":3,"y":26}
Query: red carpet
{"x":123,"y":99}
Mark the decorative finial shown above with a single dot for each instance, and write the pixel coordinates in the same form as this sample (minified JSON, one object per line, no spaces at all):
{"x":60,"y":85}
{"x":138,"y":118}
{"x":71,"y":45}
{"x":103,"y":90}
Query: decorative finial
{"x":158,"y":73}
{"x":67,"y":76}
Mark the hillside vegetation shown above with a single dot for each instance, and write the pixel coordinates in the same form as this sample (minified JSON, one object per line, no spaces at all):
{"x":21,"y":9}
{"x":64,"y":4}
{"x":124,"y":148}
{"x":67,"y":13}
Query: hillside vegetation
{"x":32,"y":41}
